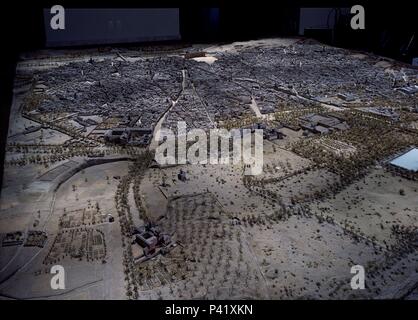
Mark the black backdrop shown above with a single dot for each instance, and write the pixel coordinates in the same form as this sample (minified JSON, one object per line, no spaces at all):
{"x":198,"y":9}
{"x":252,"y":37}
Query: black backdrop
{"x":389,"y":24}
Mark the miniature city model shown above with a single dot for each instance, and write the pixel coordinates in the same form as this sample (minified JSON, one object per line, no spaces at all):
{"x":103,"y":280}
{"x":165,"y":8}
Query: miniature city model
{"x":339,"y":185}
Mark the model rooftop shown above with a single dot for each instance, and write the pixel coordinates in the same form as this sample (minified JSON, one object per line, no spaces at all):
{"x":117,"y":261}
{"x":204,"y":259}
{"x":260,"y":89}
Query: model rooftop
{"x":408,"y":160}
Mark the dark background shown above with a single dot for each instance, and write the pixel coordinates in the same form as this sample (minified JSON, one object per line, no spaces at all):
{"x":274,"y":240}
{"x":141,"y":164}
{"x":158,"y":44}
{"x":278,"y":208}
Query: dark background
{"x":390,"y":26}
